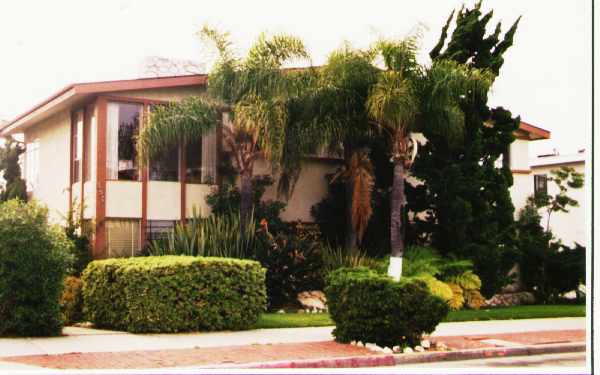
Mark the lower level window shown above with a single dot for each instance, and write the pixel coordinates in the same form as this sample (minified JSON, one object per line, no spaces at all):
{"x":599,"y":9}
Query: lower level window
{"x":122,"y":237}
{"x":159,"y":229}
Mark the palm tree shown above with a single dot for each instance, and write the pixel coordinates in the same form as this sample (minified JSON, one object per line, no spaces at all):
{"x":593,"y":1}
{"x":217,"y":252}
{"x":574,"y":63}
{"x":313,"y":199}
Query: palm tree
{"x":254,"y":91}
{"x":408,"y":98}
{"x":339,"y":108}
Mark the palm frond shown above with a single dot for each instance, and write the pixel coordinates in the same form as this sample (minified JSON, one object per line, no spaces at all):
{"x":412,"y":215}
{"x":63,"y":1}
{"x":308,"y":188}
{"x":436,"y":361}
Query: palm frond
{"x":170,"y":124}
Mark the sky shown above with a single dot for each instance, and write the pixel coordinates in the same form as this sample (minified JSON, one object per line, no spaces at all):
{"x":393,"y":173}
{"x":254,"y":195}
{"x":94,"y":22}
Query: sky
{"x":546,"y":77}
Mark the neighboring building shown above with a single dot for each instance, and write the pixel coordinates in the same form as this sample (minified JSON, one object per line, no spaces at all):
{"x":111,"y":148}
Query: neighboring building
{"x":81,"y":154}
{"x":570,"y":227}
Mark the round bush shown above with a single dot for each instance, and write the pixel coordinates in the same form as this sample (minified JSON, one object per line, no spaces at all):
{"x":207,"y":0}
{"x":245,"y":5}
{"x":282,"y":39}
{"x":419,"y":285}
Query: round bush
{"x":373,"y":308}
{"x":174,"y":293}
{"x":34,"y":259}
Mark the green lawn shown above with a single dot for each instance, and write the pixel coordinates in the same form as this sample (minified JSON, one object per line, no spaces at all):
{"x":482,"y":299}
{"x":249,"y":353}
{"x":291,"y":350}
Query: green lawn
{"x":274,"y":320}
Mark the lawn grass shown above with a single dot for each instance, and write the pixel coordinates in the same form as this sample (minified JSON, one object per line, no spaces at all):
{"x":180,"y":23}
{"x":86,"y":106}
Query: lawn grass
{"x":295,"y":320}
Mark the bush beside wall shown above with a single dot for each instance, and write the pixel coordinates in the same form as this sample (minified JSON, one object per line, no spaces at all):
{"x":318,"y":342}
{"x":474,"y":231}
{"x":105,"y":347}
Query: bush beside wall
{"x":174,"y":293}
{"x":71,"y":301}
{"x":371,"y":307}
{"x":34,"y":259}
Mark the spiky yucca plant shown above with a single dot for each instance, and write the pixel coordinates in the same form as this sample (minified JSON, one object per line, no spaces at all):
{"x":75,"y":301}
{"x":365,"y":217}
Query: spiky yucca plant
{"x":217,"y":236}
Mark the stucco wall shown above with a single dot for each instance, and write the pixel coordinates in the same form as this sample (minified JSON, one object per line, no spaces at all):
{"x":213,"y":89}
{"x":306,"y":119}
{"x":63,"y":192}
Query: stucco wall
{"x":519,"y":154}
{"x":195,"y":197}
{"x":123,"y":199}
{"x":310,"y":189}
{"x":164,"y":200}
{"x":569,"y":226}
{"x":54,"y":152}
{"x":521,"y":189}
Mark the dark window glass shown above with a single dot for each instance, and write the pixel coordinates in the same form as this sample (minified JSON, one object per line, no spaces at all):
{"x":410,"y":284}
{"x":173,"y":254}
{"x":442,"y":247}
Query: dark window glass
{"x":193,"y":158}
{"x":77,"y":145}
{"x":540,"y":184}
{"x":166,"y":167}
{"x":159,"y":229}
{"x":129,"y":123}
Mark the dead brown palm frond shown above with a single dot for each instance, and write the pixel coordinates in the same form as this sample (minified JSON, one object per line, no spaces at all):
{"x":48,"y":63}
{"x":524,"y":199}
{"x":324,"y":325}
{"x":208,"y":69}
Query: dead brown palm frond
{"x":360,"y":173}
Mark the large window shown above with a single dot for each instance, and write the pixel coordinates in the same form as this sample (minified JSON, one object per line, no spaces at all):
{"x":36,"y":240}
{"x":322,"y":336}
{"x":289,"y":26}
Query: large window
{"x":165,"y":167}
{"x":77,"y":145}
{"x":193,"y":159}
{"x":121,"y":155}
{"x":122,"y":237}
{"x":159,"y":229}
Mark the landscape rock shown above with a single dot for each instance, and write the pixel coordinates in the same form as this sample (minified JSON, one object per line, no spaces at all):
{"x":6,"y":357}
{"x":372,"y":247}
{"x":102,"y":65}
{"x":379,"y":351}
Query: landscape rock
{"x":419,"y":349}
{"x":407,"y":350}
{"x":314,"y":300}
{"x":441,"y":346}
{"x":353,"y":343}
{"x":510,"y":299}
{"x":282,"y":311}
{"x":387,"y":350}
{"x":397,"y":349}
{"x":360,"y":344}
{"x":426,"y":344}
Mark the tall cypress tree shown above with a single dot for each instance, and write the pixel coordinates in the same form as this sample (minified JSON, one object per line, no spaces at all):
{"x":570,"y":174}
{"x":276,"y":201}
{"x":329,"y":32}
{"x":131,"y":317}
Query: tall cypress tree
{"x":466,"y":191}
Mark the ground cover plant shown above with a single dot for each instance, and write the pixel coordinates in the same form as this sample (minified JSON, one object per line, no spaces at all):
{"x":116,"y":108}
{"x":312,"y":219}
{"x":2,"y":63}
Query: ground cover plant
{"x":293,"y":319}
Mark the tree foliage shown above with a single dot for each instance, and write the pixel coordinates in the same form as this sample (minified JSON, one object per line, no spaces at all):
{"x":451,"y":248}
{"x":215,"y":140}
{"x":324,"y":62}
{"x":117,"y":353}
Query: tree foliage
{"x":465,"y":194}
{"x":10,"y":170}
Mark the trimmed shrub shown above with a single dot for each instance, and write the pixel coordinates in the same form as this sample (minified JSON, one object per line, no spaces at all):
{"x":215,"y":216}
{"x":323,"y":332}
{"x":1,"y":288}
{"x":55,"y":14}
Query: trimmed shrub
{"x":371,"y":307}
{"x":71,"y":301}
{"x":34,"y":259}
{"x":174,"y":293}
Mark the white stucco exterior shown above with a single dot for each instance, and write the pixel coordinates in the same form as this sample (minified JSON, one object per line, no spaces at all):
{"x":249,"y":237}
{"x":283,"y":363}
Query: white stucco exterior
{"x":570,"y":227}
{"x":53,"y":135}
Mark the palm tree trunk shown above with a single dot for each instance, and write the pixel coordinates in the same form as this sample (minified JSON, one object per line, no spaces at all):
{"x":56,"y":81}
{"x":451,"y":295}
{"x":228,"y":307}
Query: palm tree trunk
{"x":350,"y":239}
{"x":396,"y":238}
{"x":245,"y":199}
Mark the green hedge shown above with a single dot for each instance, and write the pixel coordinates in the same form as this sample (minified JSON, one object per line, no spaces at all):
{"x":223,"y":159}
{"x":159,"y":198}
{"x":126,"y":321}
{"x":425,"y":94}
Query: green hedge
{"x":34,"y":259}
{"x":174,"y":293}
{"x":373,"y":308}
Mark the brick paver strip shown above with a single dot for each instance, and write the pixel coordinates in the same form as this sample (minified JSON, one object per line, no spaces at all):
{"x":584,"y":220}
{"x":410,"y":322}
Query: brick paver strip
{"x":190,"y":357}
{"x":327,"y":352}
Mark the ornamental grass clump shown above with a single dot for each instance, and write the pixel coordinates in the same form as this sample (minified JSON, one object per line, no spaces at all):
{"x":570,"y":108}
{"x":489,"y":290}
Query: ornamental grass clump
{"x":369,"y":307}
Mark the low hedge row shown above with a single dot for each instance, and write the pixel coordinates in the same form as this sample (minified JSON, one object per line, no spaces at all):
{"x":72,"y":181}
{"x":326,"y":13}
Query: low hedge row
{"x":174,"y":293}
{"x":369,"y":307}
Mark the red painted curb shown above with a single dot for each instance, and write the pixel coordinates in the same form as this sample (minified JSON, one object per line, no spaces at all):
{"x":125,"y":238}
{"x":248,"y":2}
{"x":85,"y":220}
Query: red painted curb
{"x":427,"y":357}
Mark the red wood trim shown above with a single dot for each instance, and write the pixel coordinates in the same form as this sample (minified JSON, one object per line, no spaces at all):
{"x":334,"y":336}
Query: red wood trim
{"x":140,"y":84}
{"x":182,"y":179}
{"x":144,"y":175}
{"x":100,"y":236}
{"x":219,"y":135}
{"x":521,"y":171}
{"x":534,"y":131}
{"x":109,"y":86}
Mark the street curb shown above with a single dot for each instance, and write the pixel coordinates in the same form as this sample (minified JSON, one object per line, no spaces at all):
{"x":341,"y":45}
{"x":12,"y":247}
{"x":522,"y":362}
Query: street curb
{"x":427,"y":357}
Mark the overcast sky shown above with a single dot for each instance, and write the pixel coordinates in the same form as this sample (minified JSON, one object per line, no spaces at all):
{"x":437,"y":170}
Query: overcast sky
{"x":46,"y":45}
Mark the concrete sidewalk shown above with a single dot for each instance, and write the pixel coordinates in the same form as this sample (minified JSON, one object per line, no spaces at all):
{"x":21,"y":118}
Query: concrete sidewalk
{"x":80,"y":340}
